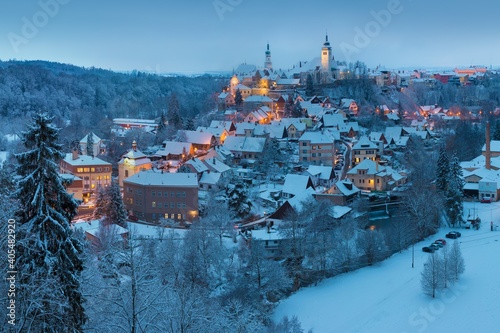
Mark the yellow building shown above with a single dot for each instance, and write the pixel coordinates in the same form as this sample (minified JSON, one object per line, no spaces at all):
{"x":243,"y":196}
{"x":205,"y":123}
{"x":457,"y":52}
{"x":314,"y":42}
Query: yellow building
{"x":131,"y":163}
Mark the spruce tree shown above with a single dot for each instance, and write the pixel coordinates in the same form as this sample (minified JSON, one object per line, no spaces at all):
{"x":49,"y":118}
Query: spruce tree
{"x":90,"y":144}
{"x":454,"y":192}
{"x":109,"y":206}
{"x":238,"y":201}
{"x":309,"y":86}
{"x":48,"y":262}
{"x":238,"y":99}
{"x":173,"y":115}
{"x":442,"y":170}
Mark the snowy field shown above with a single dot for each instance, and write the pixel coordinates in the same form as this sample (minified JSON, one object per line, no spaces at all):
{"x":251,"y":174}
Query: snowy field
{"x":388,"y":296}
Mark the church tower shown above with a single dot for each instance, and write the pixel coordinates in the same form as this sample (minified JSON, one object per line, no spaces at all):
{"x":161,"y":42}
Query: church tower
{"x":326,"y":56}
{"x":268,"y":64}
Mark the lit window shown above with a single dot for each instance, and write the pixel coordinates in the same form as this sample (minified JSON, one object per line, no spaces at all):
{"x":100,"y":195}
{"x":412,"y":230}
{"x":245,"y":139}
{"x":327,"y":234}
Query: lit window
{"x":153,"y":204}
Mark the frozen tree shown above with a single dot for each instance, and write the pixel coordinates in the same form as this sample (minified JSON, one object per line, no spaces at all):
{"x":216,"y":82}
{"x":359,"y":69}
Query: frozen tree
{"x":431,"y":279}
{"x":442,"y":169}
{"x":456,"y":262}
{"x":48,"y":265}
{"x":238,"y":200}
{"x":173,"y":115}
{"x":90,"y":144}
{"x":422,"y":205}
{"x":454,"y":192}
{"x":445,"y":267}
{"x":288,"y":325}
{"x":372,"y":244}
{"x":109,"y":205}
{"x":217,"y":218}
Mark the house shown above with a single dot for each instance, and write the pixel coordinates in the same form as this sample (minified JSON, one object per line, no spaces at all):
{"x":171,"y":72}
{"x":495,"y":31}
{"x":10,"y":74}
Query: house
{"x":215,"y":165}
{"x":98,"y":234}
{"x":364,"y":149}
{"x":271,"y":240}
{"x":270,"y":131}
{"x":349,"y":104}
{"x":225,"y":100}
{"x":321,"y":175}
{"x":176,"y":151}
{"x":258,"y":116}
{"x":195,"y":165}
{"x":254,"y":102}
{"x":131,"y":163}
{"x":98,"y":144}
{"x":245,"y":147}
{"x":369,"y":175}
{"x":317,"y":148}
{"x":73,"y":185}
{"x":219,"y":152}
{"x":295,"y":184}
{"x":227,"y":125}
{"x":244,"y":90}
{"x":152,"y":195}
{"x":344,"y":191}
{"x":94,"y":172}
{"x":210,"y":181}
{"x":201,"y":141}
{"x":336,"y":121}
{"x":220,"y":133}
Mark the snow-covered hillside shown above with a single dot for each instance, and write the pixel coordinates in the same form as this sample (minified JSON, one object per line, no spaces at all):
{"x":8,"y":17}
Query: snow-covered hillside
{"x":388,"y":296}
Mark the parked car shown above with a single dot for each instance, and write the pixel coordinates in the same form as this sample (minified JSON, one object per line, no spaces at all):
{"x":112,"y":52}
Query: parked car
{"x":453,"y":234}
{"x":442,"y":241}
{"x":438,"y":244}
{"x":486,"y":200}
{"x":435,"y":246}
{"x":428,"y":249}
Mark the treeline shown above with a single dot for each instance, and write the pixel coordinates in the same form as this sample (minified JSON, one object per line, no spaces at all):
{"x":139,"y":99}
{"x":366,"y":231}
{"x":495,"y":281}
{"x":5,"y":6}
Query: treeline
{"x":89,"y":96}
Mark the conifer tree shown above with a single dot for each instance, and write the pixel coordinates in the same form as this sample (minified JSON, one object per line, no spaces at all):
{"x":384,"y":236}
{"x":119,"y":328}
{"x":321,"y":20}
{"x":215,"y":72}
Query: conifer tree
{"x":454,"y":192}
{"x":238,"y":201}
{"x":442,"y":170}
{"x":309,"y":86}
{"x":109,"y":205}
{"x":48,"y":262}
{"x":90,"y":144}
{"x":238,"y":99}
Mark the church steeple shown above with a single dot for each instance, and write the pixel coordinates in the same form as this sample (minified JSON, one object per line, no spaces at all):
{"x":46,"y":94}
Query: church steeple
{"x":326,"y":55}
{"x":268,"y":63}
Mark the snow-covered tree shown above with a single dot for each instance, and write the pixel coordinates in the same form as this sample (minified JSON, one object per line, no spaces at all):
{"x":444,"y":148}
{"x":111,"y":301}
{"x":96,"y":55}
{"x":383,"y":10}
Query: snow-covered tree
{"x":238,"y":99}
{"x":48,"y":262}
{"x":454,"y":192}
{"x":238,"y":200}
{"x":173,"y":115}
{"x":430,"y":278}
{"x":442,"y":169}
{"x":372,"y":244}
{"x":109,"y":205}
{"x":90,"y":144}
{"x":456,"y":262}
{"x":309,"y":86}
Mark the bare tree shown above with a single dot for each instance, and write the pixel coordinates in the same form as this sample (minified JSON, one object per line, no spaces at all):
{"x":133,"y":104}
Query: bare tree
{"x":456,"y":262}
{"x":431,"y":279}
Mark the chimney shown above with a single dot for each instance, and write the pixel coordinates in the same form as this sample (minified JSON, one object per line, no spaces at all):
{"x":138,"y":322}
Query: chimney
{"x":75,"y":154}
{"x":134,"y":145}
{"x":488,"y":149}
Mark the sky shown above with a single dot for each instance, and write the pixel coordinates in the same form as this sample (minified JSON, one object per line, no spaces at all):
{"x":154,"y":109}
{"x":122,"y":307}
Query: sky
{"x":194,"y":36}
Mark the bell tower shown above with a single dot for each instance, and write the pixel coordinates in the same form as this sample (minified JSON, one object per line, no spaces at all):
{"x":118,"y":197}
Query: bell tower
{"x":268,"y":63}
{"x":326,"y":56}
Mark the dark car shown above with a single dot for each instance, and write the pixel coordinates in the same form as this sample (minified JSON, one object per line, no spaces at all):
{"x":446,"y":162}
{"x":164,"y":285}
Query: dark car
{"x":435,"y":246}
{"x":428,"y":249}
{"x":438,"y":244}
{"x":453,"y":234}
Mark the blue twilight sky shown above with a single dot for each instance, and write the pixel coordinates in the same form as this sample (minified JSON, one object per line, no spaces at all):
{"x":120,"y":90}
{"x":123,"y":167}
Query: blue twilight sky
{"x":217,"y":35}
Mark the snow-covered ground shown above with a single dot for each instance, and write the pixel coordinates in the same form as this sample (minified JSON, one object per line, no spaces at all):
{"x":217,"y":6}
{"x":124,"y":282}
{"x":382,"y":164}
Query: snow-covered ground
{"x":3,"y":156}
{"x":388,"y":296}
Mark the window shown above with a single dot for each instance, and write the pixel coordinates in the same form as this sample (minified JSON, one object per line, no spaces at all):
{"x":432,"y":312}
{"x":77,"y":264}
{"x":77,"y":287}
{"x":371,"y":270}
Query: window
{"x":304,"y":144}
{"x":319,"y":154}
{"x":106,"y":169}
{"x":86,"y":169}
{"x":159,"y":193}
{"x":153,"y":193}
{"x":92,"y":169}
{"x":79,"y":170}
{"x":166,"y":215}
{"x":178,"y":205}
{"x":172,"y":194}
{"x":165,"y":194}
{"x":153,"y":204}
{"x":183,"y":205}
{"x":126,"y":173}
{"x":304,"y":151}
{"x":172,"y":205}
{"x":100,"y":170}
{"x":183,"y":194}
{"x":160,"y":205}
{"x":179,"y":216}
{"x":313,"y":154}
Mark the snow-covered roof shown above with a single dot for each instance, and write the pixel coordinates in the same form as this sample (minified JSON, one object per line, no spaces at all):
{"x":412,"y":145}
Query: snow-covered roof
{"x":346,"y":187}
{"x":215,"y":131}
{"x":199,"y":138}
{"x":494,"y":146}
{"x":156,"y":178}
{"x":174,"y":148}
{"x":197,"y":164}
{"x":68,"y":176}
{"x":216,"y":165}
{"x":316,"y":138}
{"x":333,"y":120}
{"x":324,"y":172}
{"x":257,"y":99}
{"x":338,"y":211}
{"x":244,"y":144}
{"x":297,"y":202}
{"x":369,"y":166}
{"x":95,"y":138}
{"x":93,"y":228}
{"x":222,"y":124}
{"x":364,"y":143}
{"x":211,"y":178}
{"x":84,"y":160}
{"x":295,"y":184}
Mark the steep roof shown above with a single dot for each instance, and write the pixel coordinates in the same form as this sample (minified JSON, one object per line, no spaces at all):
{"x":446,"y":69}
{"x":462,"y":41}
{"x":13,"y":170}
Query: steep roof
{"x":324,"y":172}
{"x":364,"y":143}
{"x":84,"y":160}
{"x":174,"y":148}
{"x":95,"y":138}
{"x":294,"y":184}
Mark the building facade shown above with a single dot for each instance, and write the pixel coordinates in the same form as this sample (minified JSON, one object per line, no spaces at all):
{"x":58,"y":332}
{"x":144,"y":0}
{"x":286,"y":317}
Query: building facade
{"x":153,"y":196}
